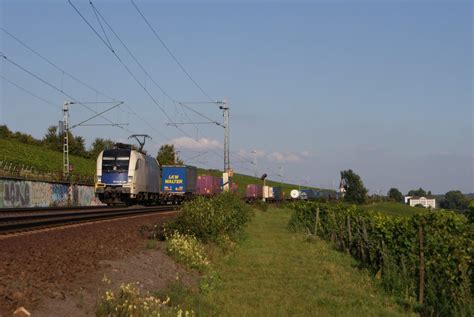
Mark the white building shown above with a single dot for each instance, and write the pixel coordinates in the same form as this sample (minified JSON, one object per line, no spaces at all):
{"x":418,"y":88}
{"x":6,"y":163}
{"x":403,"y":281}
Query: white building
{"x":424,"y":201}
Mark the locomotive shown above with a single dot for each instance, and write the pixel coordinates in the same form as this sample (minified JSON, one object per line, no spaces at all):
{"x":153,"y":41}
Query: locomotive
{"x":125,"y":175}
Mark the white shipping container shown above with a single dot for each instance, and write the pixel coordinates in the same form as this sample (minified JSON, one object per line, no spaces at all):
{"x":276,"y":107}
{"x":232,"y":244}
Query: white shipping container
{"x":267,"y":192}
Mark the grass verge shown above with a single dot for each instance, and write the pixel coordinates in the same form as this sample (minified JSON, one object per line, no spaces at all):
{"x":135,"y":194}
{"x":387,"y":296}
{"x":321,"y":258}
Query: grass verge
{"x":278,"y":273}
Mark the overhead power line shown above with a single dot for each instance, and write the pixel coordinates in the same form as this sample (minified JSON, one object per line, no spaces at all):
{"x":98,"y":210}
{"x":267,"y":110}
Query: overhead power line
{"x":55,"y":88}
{"x":117,"y":56}
{"x":30,"y":93}
{"x":171,"y":53}
{"x":128,"y":69}
{"x":76,"y":79}
{"x":55,"y":65}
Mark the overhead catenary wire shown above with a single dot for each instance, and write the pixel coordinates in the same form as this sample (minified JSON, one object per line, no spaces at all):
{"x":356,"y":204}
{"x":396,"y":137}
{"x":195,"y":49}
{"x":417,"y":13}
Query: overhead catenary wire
{"x":99,"y":14}
{"x":132,"y":74}
{"x":171,"y":53}
{"x":129,"y":70}
{"x":76,"y":79}
{"x":30,"y":93}
{"x":5,"y":58}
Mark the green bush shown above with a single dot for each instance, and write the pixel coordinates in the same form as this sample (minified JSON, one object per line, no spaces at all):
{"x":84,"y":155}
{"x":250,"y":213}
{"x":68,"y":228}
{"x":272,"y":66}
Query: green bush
{"x":390,"y":246}
{"x":207,"y":219}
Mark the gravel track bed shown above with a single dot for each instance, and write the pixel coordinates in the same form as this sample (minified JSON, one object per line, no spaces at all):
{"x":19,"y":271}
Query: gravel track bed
{"x":46,"y":264}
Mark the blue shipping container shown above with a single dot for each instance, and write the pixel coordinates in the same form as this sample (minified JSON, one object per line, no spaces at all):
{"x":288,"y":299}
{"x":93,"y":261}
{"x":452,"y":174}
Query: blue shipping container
{"x":178,"y":179}
{"x":277,"y":193}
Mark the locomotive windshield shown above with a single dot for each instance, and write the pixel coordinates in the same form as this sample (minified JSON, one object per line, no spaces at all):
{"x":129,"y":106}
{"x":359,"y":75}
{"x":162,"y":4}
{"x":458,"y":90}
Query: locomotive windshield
{"x":116,"y":160}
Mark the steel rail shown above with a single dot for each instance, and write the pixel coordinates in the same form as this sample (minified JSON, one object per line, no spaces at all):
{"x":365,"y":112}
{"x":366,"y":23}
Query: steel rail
{"x":38,"y":209}
{"x":17,"y":223}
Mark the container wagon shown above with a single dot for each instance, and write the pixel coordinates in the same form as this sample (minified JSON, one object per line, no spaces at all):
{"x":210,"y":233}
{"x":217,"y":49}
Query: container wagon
{"x":253,"y":192}
{"x":178,"y":183}
{"x":208,"y":185}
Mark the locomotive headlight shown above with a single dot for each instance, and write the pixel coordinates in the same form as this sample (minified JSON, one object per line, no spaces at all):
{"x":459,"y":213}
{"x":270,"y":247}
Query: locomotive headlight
{"x":130,"y":178}
{"x":99,"y":178}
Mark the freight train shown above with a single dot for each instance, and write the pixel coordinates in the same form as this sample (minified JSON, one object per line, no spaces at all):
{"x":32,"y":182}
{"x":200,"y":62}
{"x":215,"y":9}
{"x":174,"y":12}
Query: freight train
{"x":127,"y":176}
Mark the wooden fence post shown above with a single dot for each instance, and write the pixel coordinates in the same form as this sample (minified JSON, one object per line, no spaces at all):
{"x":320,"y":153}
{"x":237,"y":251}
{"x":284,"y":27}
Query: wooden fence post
{"x":422,"y":265}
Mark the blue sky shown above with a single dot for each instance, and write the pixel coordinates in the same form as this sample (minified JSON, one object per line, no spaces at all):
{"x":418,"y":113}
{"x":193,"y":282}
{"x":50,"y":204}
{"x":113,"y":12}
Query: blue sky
{"x":384,"y":88}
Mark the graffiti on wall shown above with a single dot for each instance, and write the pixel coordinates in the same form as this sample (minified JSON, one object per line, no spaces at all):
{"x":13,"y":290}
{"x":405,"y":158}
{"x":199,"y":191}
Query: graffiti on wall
{"x":60,"y":195}
{"x":40,"y":195}
{"x":84,"y":195}
{"x":16,"y":194}
{"x":19,"y":193}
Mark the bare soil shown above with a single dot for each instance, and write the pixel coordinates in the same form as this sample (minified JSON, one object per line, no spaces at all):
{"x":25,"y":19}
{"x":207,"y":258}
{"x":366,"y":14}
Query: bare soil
{"x":60,"y":272}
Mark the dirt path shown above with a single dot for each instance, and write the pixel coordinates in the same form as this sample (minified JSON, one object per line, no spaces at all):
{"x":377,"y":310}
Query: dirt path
{"x":54,"y":271}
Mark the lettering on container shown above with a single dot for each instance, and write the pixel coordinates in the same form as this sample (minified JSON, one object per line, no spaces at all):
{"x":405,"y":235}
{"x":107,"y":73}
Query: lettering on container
{"x":173,"y":179}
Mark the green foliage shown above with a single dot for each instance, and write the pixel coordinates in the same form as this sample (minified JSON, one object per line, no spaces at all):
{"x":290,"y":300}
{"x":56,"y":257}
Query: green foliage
{"x":390,"y":246}
{"x":25,"y":138}
{"x":55,"y":142}
{"x":470,"y":214}
{"x":418,"y":192}
{"x":167,"y":155}
{"x":455,"y":199}
{"x":43,"y":159}
{"x":395,"y":195}
{"x":209,"y":218}
{"x":355,"y":190}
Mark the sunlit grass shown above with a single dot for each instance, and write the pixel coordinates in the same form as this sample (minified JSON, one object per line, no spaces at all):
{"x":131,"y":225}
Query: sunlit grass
{"x":278,"y":273}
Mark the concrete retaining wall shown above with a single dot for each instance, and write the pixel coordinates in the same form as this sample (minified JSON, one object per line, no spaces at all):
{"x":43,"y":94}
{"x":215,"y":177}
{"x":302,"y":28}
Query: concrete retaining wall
{"x":20,"y":193}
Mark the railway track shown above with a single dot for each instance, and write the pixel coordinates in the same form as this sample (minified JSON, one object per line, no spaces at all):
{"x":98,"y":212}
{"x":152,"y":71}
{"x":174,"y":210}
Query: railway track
{"x":13,"y":221}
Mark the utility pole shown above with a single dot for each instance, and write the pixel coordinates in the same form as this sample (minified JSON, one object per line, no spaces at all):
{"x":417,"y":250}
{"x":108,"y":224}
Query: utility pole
{"x":66,"y":138}
{"x":225,"y":107}
{"x":66,"y":129}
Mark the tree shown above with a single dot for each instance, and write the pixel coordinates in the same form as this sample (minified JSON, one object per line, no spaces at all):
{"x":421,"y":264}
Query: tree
{"x":99,"y":145}
{"x":52,"y":140}
{"x":417,"y":192}
{"x":455,"y":199}
{"x":395,"y":195}
{"x":470,"y":214}
{"x":167,"y":155}
{"x":355,"y":190}
{"x":5,"y":133}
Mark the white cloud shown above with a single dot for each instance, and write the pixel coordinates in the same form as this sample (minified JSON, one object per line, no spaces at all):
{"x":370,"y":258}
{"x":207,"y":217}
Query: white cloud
{"x":193,"y":144}
{"x":284,"y":157}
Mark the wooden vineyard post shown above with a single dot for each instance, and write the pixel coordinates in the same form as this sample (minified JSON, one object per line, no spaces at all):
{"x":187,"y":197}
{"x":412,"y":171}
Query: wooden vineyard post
{"x":316,"y":223}
{"x":349,"y":234}
{"x":422,"y":265}
{"x":333,"y":233}
{"x":366,"y":239}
